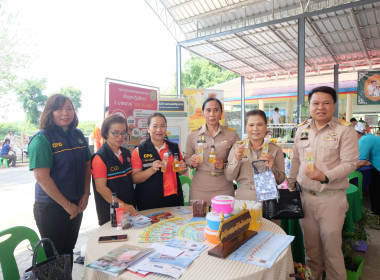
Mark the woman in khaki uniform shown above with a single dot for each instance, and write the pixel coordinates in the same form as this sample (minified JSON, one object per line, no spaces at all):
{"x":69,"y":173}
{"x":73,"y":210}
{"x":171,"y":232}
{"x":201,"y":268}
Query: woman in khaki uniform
{"x":209,"y":179}
{"x":240,"y":168}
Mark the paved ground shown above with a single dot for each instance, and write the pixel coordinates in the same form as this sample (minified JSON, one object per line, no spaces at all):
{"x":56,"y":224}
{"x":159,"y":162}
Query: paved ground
{"x":16,"y":208}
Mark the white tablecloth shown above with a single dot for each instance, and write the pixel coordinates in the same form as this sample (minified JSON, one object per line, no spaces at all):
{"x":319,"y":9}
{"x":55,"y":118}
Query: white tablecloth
{"x":204,"y":267}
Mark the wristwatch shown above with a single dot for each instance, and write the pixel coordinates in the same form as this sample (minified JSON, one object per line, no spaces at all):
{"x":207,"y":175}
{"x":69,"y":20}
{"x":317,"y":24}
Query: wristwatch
{"x":325,"y":181}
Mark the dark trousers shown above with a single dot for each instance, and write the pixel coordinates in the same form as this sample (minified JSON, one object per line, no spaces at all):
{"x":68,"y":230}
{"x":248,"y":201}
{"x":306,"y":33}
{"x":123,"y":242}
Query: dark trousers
{"x":54,"y":223}
{"x":171,"y":200}
{"x":374,"y":191}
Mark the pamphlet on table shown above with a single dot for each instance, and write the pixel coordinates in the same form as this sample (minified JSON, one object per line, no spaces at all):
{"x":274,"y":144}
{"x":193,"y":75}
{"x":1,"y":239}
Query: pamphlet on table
{"x":116,"y":261}
{"x":263,"y":249}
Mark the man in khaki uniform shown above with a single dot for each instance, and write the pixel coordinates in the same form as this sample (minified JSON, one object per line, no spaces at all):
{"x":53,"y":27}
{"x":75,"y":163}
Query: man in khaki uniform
{"x":335,"y":152}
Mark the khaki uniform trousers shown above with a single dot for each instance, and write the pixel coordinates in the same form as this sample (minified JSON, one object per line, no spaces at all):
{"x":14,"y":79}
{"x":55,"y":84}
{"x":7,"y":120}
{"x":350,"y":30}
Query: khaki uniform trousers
{"x":322,"y":229}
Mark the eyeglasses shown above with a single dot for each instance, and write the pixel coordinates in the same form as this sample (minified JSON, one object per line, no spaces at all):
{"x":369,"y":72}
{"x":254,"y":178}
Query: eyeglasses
{"x":117,"y":133}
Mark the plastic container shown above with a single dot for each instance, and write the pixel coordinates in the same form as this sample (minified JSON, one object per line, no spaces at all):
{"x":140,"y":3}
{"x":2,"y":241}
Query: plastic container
{"x":223,"y":203}
{"x":213,"y":220}
{"x":211,"y":235}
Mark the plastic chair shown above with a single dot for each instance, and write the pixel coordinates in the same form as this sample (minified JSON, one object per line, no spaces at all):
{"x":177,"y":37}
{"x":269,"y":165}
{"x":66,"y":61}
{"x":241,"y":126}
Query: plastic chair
{"x":357,"y":174}
{"x":186,"y":185}
{"x":8,"y":246}
{"x":5,"y":161}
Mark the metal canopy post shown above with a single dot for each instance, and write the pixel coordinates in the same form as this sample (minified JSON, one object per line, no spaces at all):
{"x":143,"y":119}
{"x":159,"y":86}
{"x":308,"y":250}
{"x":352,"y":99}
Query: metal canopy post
{"x":242,"y":79}
{"x":179,"y":80}
{"x":301,"y":66}
{"x":336,"y":87}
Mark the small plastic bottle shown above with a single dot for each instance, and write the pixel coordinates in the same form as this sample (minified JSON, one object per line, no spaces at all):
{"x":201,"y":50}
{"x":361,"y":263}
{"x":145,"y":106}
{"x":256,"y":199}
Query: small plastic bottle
{"x":176,"y":167}
{"x":245,"y":151}
{"x":212,"y":156}
{"x":114,"y":205}
{"x":309,"y":159}
{"x":165,"y":162}
{"x":200,"y":150}
{"x":264,"y":152}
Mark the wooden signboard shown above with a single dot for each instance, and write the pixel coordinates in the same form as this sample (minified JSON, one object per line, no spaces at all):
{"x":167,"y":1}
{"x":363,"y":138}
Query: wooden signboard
{"x":232,"y":233}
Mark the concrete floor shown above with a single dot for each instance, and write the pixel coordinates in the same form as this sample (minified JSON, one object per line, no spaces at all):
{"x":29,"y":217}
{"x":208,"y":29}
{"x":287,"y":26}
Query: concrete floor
{"x":21,"y":191}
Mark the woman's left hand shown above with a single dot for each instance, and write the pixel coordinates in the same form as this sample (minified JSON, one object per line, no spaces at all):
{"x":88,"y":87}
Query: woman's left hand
{"x":219,"y":164}
{"x":182,"y":165}
{"x":82,"y":205}
{"x":269,"y":161}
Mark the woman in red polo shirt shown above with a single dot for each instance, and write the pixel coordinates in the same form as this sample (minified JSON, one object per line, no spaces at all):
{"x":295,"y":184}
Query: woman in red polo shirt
{"x":155,"y":188}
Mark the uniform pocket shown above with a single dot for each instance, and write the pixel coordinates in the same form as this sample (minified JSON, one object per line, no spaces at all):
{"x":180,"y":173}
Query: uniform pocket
{"x":328,"y":151}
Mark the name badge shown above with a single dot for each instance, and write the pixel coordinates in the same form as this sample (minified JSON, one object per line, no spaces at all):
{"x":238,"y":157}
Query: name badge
{"x":331,"y":139}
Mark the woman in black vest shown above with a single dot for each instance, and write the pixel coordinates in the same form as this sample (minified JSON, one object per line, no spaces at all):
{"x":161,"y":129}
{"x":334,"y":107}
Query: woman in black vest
{"x":155,"y":187}
{"x":111,"y":169}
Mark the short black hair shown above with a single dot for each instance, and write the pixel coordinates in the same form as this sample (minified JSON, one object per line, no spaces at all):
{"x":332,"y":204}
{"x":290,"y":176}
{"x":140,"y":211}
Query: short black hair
{"x":325,"y":89}
{"x":255,"y":112}
{"x":276,"y":109}
{"x":353,"y":120}
{"x":212,"y":99}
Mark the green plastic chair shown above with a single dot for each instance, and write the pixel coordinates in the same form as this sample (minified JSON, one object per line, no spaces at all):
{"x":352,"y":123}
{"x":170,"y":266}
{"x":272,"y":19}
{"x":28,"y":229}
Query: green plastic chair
{"x":357,"y":174}
{"x":186,"y":185}
{"x":8,"y":246}
{"x":4,"y":161}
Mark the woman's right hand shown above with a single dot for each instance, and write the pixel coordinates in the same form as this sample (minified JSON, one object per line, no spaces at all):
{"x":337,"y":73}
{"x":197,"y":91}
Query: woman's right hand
{"x":73,"y":210}
{"x":194,"y":161}
{"x":239,"y":151}
{"x":130,"y":209}
{"x":157,"y":164}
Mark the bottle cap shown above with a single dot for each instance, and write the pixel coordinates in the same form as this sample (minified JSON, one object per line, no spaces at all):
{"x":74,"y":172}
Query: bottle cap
{"x":166,"y":154}
{"x":308,"y":149}
{"x":114,"y":194}
{"x":212,"y":146}
{"x":266,"y":140}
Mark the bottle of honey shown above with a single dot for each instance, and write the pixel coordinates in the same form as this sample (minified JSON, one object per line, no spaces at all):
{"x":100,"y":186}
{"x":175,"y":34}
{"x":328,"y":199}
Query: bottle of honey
{"x":176,"y":167}
{"x":212,"y":156}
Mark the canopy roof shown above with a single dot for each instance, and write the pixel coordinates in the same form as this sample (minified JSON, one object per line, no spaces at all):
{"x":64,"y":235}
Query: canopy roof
{"x":259,"y":38}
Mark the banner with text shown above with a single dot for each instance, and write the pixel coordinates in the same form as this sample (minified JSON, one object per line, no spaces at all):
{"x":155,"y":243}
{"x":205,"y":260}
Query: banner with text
{"x":135,"y":104}
{"x":368,"y":87}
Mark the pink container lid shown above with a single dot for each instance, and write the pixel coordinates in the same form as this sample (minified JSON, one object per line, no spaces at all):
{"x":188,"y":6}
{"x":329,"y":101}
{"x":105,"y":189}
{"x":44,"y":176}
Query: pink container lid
{"x":223,"y":199}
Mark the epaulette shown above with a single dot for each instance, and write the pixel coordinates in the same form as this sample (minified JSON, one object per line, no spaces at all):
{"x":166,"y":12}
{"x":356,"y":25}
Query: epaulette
{"x":302,"y":123}
{"x":344,"y":122}
{"x":230,"y":128}
{"x":197,"y":128}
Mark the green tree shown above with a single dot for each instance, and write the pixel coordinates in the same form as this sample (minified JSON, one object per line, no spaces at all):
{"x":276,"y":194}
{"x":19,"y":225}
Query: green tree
{"x":30,"y":95}
{"x":75,"y":96}
{"x":12,"y":54}
{"x":201,"y":73}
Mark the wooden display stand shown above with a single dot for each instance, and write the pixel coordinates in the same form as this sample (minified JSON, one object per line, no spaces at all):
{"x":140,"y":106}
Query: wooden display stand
{"x":232,"y":233}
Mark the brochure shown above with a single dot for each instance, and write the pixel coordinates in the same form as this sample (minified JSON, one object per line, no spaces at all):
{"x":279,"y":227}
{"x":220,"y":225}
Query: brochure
{"x":116,"y":261}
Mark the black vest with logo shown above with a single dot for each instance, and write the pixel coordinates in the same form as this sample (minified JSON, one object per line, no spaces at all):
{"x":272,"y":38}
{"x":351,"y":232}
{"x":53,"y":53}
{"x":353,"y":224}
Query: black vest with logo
{"x":69,"y":152}
{"x":150,"y":194}
{"x":119,"y":180}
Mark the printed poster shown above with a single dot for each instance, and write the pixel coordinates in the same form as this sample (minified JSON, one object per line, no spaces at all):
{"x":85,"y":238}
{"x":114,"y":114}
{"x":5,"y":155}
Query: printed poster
{"x":135,"y":104}
{"x":196,"y":97}
{"x":368,"y":87}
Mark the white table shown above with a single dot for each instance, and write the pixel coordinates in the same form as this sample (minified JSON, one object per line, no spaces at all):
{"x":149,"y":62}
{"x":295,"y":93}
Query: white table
{"x":204,"y":267}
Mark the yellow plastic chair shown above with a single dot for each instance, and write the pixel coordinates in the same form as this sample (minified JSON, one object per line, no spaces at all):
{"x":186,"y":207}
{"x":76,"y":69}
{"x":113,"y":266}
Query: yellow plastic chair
{"x":357,"y":174}
{"x":186,"y":185}
{"x":8,"y":246}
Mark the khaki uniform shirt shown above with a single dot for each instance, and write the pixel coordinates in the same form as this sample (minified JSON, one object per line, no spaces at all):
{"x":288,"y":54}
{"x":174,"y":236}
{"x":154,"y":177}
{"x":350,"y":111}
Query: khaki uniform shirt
{"x":242,"y":171}
{"x":203,"y":185}
{"x":336,"y":152}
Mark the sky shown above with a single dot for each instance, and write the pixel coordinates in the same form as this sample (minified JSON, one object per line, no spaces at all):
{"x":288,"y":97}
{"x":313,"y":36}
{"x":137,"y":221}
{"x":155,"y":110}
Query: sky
{"x":81,"y":42}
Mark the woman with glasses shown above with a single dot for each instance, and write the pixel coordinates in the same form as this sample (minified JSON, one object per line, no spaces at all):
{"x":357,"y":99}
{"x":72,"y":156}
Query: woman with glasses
{"x":157,"y":184}
{"x":60,"y":160}
{"x":111,"y":169}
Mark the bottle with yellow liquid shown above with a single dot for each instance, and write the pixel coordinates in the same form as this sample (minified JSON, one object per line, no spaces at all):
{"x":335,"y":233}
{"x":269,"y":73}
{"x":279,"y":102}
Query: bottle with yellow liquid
{"x":309,"y":159}
{"x":265,"y":150}
{"x":245,"y":151}
{"x":176,"y":167}
{"x":200,"y":150}
{"x":212,"y":156}
{"x":165,"y":163}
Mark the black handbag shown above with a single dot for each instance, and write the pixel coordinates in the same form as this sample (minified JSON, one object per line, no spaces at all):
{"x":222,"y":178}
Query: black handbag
{"x":58,"y":267}
{"x":288,"y":206}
